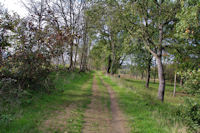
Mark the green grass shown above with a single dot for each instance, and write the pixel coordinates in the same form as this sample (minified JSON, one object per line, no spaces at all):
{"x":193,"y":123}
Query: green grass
{"x":105,"y":97}
{"x":76,"y":121}
{"x":147,"y":114}
{"x":68,"y":90}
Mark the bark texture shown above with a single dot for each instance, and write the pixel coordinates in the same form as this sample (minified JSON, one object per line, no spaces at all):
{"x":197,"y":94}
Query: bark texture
{"x":174,"y":92}
{"x":148,"y":73}
{"x":161,"y":89}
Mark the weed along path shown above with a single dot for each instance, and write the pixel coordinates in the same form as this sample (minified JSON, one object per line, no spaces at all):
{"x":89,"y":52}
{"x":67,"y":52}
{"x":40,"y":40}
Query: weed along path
{"x":103,"y":114}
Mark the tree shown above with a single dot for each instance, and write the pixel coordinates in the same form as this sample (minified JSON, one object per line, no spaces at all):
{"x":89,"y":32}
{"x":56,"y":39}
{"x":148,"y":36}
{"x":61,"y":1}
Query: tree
{"x":153,"y":22}
{"x":142,"y":59}
{"x":104,"y":26}
{"x":5,"y":27}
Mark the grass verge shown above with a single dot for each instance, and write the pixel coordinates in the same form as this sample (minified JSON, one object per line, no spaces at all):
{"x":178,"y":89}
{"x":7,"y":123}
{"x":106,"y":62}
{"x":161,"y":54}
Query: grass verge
{"x":27,"y":118}
{"x":146,"y":114}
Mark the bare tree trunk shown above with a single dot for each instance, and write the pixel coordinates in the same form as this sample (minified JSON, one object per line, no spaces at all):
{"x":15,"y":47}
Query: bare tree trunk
{"x":63,"y":59}
{"x":161,"y":76}
{"x":71,"y":57}
{"x":174,"y":92}
{"x":154,"y":80}
{"x":76,"y":53}
{"x":83,"y":65}
{"x":161,"y":89}
{"x":148,"y":73}
{"x":1,"y":59}
{"x":72,"y":38}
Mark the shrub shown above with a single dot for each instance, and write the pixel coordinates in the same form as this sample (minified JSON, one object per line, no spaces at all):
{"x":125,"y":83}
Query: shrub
{"x":192,"y":82}
{"x":190,"y":113}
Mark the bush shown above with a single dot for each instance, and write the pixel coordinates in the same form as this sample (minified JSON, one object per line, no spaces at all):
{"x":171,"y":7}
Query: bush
{"x":192,"y":82}
{"x":21,"y":75}
{"x":190,"y":113}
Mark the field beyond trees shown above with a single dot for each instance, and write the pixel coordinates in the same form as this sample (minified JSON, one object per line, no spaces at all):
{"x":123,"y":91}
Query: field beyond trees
{"x":108,"y":66}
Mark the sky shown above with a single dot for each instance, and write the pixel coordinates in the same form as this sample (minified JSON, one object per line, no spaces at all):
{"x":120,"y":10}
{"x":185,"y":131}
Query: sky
{"x":15,"y":6}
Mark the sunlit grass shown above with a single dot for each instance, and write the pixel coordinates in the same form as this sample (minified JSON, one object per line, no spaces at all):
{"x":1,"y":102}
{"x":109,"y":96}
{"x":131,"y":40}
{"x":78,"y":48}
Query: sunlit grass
{"x":145,"y":112}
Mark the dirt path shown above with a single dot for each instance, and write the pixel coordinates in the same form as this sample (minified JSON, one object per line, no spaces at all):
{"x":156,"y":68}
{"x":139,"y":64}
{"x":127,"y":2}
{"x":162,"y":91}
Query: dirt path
{"x":119,"y":121}
{"x":97,"y":116}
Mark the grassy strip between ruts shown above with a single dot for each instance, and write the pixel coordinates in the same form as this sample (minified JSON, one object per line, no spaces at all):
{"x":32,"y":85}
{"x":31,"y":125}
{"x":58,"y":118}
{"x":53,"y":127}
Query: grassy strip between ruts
{"x":146,"y":114}
{"x":104,"y":92}
{"x":68,"y":91}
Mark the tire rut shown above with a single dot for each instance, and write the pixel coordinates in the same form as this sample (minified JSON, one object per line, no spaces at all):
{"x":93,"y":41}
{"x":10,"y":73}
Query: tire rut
{"x":97,"y":116}
{"x":119,"y":122}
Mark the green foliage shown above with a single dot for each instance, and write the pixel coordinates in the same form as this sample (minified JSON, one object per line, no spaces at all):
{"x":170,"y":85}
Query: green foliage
{"x":190,"y":114}
{"x":109,"y":35}
{"x":192,"y":81}
{"x":99,"y":55}
{"x":188,"y":26}
{"x":26,"y":67}
{"x":140,"y":57}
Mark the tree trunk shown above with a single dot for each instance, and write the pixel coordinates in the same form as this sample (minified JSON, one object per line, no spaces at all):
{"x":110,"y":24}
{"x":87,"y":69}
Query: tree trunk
{"x":174,"y":92}
{"x":1,"y":59}
{"x":109,"y":64}
{"x":113,"y":58}
{"x":161,"y":76}
{"x":76,"y":55}
{"x":81,"y":62}
{"x":71,"y":57}
{"x":85,"y":48}
{"x":63,"y":59}
{"x":112,"y":67}
{"x":161,"y":89}
{"x":154,"y":80}
{"x":76,"y":52}
{"x":148,"y":73}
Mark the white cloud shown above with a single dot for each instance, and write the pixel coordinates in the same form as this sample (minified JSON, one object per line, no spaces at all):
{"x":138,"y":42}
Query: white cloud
{"x":15,"y":6}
